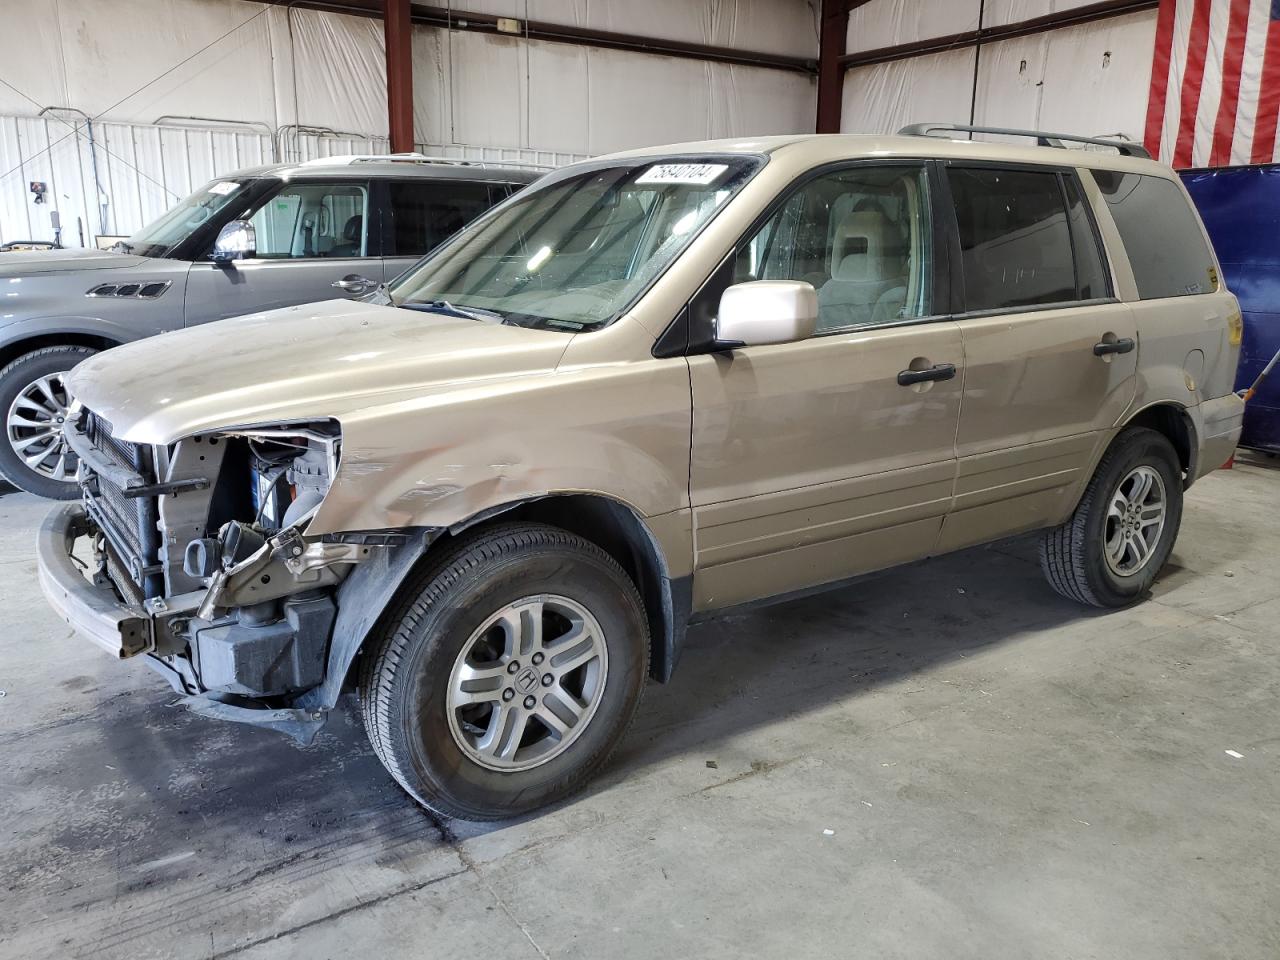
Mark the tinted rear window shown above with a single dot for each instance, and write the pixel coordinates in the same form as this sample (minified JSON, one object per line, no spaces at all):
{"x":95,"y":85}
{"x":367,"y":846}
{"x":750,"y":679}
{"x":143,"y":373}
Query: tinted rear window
{"x":1161,"y":235}
{"x":1015,"y":243}
{"x":426,"y":213}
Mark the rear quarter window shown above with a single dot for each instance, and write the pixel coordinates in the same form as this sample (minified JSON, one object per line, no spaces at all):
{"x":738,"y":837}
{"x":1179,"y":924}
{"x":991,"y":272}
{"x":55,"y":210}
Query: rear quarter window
{"x":1161,"y":235}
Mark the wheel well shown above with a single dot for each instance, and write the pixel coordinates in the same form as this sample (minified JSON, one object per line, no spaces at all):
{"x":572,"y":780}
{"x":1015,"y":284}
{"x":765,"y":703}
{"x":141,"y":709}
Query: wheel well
{"x":11,"y":351}
{"x":620,"y":533}
{"x":1173,"y":422}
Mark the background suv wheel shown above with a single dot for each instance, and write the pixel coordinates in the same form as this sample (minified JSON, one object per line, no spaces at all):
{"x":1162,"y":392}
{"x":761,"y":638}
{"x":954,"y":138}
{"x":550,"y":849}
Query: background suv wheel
{"x":34,"y":401}
{"x":1123,"y":530}
{"x":508,"y":675}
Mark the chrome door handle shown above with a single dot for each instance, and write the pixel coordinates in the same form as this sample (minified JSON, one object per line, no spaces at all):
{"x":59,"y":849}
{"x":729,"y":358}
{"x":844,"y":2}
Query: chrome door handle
{"x":939,"y":371}
{"x":354,"y":283}
{"x":1104,"y":347}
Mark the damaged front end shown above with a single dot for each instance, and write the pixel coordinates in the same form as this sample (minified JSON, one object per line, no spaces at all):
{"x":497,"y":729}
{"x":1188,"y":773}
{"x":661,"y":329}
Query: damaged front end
{"x":197,"y":556}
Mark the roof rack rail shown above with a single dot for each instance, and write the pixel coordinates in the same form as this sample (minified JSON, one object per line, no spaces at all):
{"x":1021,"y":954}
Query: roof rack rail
{"x":423,"y":158}
{"x":1041,"y":137}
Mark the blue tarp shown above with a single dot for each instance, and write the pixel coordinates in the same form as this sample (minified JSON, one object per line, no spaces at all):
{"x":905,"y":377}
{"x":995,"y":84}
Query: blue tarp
{"x":1240,"y":207}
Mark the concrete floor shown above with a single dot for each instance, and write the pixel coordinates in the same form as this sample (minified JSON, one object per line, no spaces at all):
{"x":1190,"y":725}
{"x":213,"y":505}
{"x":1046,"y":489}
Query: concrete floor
{"x":947,"y":762}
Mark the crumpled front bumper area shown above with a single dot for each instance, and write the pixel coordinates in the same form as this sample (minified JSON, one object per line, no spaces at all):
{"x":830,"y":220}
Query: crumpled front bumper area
{"x":123,"y":630}
{"x":93,"y":611}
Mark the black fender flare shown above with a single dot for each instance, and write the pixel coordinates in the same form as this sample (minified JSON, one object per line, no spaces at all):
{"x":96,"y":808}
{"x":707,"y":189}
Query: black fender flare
{"x":362,"y":599}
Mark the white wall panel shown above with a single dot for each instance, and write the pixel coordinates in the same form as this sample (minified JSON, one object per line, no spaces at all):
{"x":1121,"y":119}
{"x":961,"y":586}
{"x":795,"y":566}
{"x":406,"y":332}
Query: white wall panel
{"x":999,"y":12}
{"x":748,"y":102}
{"x":505,"y":91}
{"x":1091,"y":79}
{"x":1097,"y":76}
{"x":887,"y":23}
{"x":341,"y":70}
{"x":104,"y":56}
{"x":490,"y":93}
{"x":559,"y":96}
{"x":884,"y":97}
{"x":771,"y":26}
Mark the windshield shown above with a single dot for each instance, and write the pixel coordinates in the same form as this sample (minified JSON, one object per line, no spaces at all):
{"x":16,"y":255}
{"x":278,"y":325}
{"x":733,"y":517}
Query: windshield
{"x":576,"y":253}
{"x":160,"y":236}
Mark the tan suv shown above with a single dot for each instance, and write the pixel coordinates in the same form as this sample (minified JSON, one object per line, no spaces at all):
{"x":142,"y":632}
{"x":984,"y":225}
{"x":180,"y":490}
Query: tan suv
{"x":652,"y":386}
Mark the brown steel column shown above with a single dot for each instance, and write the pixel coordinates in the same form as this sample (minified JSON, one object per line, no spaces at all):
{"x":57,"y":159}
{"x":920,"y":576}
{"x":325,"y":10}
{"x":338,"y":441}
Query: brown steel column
{"x":835,"y":23}
{"x":395,"y":18}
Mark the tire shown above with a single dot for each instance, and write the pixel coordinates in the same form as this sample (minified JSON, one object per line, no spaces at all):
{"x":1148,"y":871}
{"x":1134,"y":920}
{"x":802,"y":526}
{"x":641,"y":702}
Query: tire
{"x":1086,"y":559}
{"x":450,"y":758}
{"x":23,"y":422}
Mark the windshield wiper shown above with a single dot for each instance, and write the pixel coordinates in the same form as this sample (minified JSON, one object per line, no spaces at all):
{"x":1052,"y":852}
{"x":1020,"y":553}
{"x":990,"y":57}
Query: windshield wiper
{"x":449,"y":310}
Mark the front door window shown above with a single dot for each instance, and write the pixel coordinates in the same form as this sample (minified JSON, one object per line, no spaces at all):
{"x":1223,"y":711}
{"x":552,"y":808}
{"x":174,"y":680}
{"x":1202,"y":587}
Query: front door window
{"x":305,"y":220}
{"x":861,"y":236}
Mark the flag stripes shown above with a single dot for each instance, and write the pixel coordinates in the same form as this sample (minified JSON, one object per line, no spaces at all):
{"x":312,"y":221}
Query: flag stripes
{"x":1215,"y":82}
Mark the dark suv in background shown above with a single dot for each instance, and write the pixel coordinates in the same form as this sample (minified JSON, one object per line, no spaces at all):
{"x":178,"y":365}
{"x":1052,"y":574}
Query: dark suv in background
{"x":257,"y":239}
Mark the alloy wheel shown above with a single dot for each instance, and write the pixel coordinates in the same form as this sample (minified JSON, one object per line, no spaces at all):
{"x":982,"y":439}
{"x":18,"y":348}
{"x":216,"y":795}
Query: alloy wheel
{"x":1135,"y":521}
{"x":34,"y":428}
{"x":527,"y":683}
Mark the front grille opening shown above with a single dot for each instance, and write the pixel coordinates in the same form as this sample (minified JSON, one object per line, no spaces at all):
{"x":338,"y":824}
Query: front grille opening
{"x":129,"y":524}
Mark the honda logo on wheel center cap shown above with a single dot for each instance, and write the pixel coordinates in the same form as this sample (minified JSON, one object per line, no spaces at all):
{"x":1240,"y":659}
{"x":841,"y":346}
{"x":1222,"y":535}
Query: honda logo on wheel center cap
{"x":527,"y":680}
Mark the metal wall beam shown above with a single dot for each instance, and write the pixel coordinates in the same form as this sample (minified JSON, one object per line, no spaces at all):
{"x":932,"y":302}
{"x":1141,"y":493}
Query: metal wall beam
{"x":972,"y":38}
{"x":832,"y":29}
{"x":434,"y":16}
{"x":399,"y":35}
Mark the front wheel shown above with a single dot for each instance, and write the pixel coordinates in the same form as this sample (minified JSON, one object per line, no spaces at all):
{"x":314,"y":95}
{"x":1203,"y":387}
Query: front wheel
{"x":34,"y":399}
{"x":1123,"y":530}
{"x":509,"y":675}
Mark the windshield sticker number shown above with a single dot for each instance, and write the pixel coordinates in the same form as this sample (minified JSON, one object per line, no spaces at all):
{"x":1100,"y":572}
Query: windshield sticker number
{"x":699,"y":173}
{"x":222,"y":188}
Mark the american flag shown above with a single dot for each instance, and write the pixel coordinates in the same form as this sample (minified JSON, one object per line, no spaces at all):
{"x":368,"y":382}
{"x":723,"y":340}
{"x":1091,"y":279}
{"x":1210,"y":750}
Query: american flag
{"x":1215,"y":83}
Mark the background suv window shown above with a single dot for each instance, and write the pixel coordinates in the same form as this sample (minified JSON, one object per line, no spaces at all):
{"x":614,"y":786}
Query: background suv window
{"x":1015,"y":244}
{"x":1161,"y":235}
{"x":314,"y":220}
{"x":861,"y":236}
{"x":425,"y":213}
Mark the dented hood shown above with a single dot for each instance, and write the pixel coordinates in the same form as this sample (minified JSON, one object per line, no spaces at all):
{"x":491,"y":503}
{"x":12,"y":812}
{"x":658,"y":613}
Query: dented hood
{"x":316,"y":361}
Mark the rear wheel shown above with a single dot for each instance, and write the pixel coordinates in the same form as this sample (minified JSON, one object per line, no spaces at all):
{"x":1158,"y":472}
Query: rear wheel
{"x":34,"y":400}
{"x":1123,"y":530}
{"x":509,"y":675}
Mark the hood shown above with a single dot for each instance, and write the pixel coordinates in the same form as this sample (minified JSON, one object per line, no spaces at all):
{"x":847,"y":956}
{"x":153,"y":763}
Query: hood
{"x":26,"y":263}
{"x":311,"y":362}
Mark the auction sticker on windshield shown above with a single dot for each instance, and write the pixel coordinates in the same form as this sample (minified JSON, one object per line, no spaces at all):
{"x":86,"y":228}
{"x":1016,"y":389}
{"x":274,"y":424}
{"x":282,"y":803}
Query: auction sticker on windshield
{"x":223,"y":187}
{"x":700,"y":173}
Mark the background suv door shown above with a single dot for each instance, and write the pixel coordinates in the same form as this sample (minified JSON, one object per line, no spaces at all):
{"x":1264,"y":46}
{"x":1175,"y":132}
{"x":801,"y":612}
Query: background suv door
{"x":1050,"y":355}
{"x":423,"y":213}
{"x":810,"y":461}
{"x":311,"y":234}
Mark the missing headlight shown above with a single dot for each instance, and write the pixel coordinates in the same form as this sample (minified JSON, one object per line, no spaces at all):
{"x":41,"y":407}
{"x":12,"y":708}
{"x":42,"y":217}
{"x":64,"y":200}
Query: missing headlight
{"x":291,"y":468}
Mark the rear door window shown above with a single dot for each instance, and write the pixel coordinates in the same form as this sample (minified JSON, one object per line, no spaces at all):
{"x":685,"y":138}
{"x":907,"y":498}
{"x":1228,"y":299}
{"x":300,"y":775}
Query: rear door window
{"x":1092,"y":279}
{"x":425,"y":213}
{"x":1161,"y":235}
{"x":1016,"y":240}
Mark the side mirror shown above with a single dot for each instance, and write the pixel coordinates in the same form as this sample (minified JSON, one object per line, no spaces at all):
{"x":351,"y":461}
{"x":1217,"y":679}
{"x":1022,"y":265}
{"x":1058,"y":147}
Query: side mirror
{"x":236,"y":241}
{"x":766,"y":311}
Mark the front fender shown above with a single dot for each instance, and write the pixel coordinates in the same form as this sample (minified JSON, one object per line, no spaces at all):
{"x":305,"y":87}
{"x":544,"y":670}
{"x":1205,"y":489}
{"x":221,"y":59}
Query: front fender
{"x":362,"y":598}
{"x":32,"y":328}
{"x":620,"y":432}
